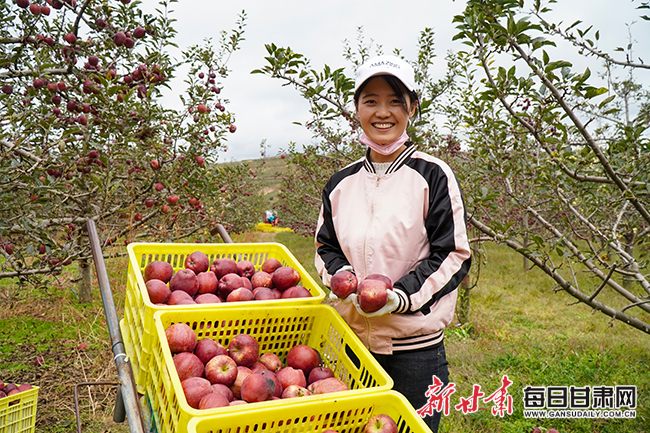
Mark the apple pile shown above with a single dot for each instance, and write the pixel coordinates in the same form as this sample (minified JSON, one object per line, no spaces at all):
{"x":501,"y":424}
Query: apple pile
{"x":372,"y":291}
{"x":8,"y":389}
{"x":225,"y":280}
{"x":213,"y":375}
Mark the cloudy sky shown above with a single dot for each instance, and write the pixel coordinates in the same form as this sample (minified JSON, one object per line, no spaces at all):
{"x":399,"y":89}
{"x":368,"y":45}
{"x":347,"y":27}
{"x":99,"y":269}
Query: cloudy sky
{"x":265,"y":110}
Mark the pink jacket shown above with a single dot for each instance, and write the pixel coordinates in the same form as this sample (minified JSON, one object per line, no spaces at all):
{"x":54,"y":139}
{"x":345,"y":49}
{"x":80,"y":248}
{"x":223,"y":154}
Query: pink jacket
{"x":410,"y":225}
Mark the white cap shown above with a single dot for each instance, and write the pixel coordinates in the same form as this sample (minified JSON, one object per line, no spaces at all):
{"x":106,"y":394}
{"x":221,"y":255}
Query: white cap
{"x":386,"y":65}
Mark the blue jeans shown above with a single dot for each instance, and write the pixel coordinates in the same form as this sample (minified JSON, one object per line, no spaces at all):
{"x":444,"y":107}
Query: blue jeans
{"x":413,"y":371}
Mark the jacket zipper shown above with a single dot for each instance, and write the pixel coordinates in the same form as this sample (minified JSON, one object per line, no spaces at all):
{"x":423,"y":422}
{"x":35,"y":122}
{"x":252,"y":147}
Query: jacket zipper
{"x":365,"y":244}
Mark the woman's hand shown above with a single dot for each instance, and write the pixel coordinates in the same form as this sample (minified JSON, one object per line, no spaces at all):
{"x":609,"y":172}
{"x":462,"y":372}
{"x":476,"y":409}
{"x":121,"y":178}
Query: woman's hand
{"x":391,"y":305}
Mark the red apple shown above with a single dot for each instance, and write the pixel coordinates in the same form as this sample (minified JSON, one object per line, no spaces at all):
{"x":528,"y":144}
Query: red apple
{"x":380,"y":423}
{"x":180,"y":337}
{"x":244,"y":349}
{"x":293,"y":391}
{"x":263,"y":294}
{"x":180,"y":297}
{"x":158,"y":270}
{"x":240,"y":295}
{"x":270,"y":265}
{"x":245,"y":268}
{"x":277,"y":392}
{"x":188,"y":365}
{"x":261,"y":279}
{"x":296,"y":292}
{"x":224,"y":266}
{"x":242,"y":374}
{"x":172,"y":200}
{"x":257,"y":387}
{"x":197,"y":262}
{"x":325,"y":386}
{"x":158,"y":291}
{"x":343,"y":284}
{"x":206,"y":349}
{"x":207,"y":298}
{"x":381,"y":277}
{"x":228,"y":283}
{"x":195,"y":388}
{"x":185,"y":280}
{"x":219,"y":388}
{"x":285,"y":277}
{"x":372,"y":295}
{"x":303,"y":357}
{"x":291,"y":376}
{"x":212,"y":400}
{"x":271,"y":361}
{"x":221,"y":369}
{"x":319,"y":373}
{"x":208,"y":282}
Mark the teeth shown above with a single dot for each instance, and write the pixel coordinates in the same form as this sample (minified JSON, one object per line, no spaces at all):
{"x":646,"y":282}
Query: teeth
{"x":383,"y":125}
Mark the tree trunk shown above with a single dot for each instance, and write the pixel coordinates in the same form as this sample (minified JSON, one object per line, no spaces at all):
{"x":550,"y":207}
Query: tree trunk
{"x":85,"y":278}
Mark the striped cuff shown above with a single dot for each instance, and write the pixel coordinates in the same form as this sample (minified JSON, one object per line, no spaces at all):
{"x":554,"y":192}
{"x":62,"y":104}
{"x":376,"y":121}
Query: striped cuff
{"x":404,"y":302}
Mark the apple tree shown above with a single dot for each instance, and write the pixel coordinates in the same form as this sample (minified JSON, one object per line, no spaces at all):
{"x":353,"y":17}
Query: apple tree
{"x":85,"y":131}
{"x":560,"y":154}
{"x":552,"y":161}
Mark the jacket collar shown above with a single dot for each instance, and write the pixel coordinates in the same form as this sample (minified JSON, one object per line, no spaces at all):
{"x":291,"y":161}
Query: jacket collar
{"x":395,"y":165}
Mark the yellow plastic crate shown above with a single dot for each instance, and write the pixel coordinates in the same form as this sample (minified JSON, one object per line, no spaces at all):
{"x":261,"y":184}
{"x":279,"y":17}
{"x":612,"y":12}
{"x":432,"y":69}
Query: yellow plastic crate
{"x":137,"y":327}
{"x":277,"y":330}
{"x":20,"y":415}
{"x":346,"y":414}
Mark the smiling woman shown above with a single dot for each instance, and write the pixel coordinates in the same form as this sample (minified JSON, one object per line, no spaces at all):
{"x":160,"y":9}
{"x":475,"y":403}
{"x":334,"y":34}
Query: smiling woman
{"x":399,"y":213}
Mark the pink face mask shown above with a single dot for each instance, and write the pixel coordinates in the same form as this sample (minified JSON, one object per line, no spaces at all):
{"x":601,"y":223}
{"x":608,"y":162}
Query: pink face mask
{"x":384,"y":149}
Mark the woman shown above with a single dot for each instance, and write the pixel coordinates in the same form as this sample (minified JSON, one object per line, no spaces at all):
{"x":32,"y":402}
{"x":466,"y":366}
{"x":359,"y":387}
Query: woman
{"x":397,"y":212}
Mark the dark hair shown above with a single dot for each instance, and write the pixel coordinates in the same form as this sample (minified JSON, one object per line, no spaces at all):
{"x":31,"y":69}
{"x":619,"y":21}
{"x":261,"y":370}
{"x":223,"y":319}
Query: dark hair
{"x":397,"y":86}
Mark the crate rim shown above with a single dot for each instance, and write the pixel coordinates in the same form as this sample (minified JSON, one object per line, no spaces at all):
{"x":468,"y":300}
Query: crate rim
{"x":304,"y":403}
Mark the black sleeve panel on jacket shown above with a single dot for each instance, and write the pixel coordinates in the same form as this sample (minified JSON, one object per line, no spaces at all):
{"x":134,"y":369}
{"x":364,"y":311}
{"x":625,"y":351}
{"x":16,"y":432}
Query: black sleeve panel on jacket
{"x":440,"y":227}
{"x":330,"y":249}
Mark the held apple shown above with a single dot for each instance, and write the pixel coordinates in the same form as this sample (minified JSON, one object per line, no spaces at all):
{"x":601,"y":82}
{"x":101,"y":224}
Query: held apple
{"x":343,"y":284}
{"x":381,"y":277}
{"x":372,"y":295}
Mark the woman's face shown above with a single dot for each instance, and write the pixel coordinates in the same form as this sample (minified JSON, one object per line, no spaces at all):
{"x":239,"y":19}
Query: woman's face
{"x":380,"y":112}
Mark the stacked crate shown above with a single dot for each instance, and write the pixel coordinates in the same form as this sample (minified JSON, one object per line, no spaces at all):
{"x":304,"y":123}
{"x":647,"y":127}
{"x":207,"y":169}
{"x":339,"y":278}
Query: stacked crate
{"x":278,"y":325}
